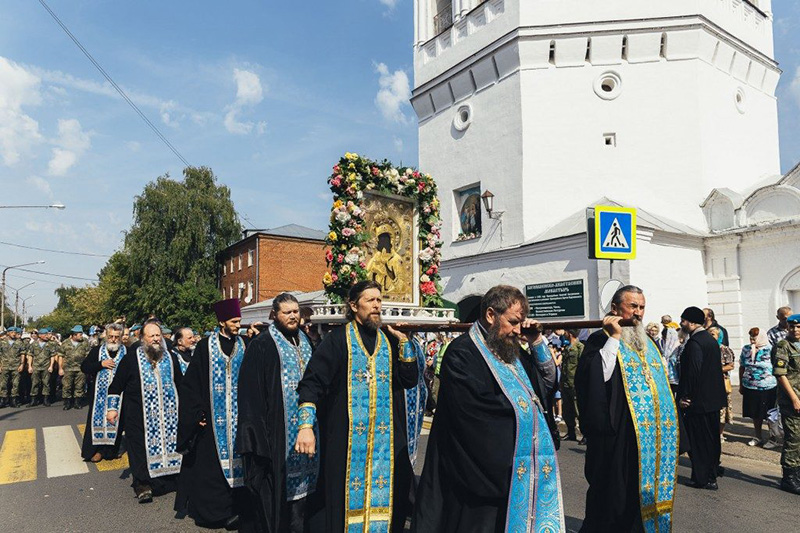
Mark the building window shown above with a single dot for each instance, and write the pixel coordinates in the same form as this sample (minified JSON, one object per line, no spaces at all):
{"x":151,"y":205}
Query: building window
{"x":444,"y":16}
{"x":225,"y":268}
{"x":231,"y":264}
{"x":241,"y":291}
{"x":249,"y":297}
{"x":250,"y":256}
{"x":610,"y":139}
{"x":230,"y":291}
{"x":223,"y":293}
{"x":240,"y":261}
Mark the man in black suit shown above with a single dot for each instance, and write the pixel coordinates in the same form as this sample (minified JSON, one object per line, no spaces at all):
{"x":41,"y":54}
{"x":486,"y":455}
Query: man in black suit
{"x":701,"y":394}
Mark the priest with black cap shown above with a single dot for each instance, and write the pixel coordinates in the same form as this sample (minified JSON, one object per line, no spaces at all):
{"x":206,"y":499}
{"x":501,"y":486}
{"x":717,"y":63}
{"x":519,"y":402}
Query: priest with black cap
{"x":211,"y":484}
{"x":701,"y":394}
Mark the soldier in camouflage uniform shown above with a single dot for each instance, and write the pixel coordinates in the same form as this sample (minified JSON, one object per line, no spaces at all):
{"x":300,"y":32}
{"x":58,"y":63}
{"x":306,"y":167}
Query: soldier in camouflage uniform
{"x":41,"y":356}
{"x":12,"y":357}
{"x":787,"y":370}
{"x":70,"y":356}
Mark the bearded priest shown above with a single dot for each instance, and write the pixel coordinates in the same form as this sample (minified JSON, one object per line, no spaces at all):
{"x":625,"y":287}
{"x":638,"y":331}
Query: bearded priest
{"x":491,"y":465}
{"x":211,"y":486}
{"x":281,"y":477}
{"x":628,"y":416}
{"x":354,"y":386}
{"x":149,"y":377}
{"x":101,"y":439}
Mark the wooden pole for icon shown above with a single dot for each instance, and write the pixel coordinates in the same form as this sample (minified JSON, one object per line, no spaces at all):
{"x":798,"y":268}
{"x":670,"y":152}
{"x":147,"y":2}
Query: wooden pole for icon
{"x":463,"y":326}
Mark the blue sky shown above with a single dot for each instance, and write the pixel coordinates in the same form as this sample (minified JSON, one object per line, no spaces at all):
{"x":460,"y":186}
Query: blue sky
{"x":267,"y":94}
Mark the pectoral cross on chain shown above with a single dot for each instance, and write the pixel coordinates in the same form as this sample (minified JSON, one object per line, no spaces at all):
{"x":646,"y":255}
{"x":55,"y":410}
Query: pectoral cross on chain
{"x":364,"y":375}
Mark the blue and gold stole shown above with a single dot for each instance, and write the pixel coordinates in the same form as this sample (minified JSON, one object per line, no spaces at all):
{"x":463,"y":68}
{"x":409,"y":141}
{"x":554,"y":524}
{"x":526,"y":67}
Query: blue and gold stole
{"x":183,"y":364}
{"x":370,"y":459}
{"x":103,"y":431}
{"x":301,"y":470}
{"x":534,"y":503}
{"x":223,"y":379}
{"x":415,"y":402}
{"x":654,"y":416}
{"x":160,"y":413}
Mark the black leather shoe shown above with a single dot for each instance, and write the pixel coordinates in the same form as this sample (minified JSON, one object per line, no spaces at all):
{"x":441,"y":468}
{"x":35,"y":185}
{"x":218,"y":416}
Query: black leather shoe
{"x":720,"y":471}
{"x":32,"y":404}
{"x":582,"y":442}
{"x":67,"y":404}
{"x":79,"y":403}
{"x":14,"y":402}
{"x":47,"y":402}
{"x":3,"y":403}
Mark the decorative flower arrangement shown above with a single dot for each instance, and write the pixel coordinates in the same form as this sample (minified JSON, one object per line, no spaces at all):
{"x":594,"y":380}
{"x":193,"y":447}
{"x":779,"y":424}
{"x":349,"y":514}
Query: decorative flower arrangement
{"x":346,"y":256}
{"x":467,"y":236}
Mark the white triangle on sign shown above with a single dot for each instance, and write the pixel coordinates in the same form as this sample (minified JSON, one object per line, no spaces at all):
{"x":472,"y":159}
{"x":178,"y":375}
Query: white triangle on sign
{"x":615,"y":238}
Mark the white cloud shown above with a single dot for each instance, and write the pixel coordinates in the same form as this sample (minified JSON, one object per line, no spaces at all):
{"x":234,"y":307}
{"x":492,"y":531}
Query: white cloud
{"x":391,"y":4}
{"x":394,"y":93}
{"x":133,"y":146}
{"x":398,"y":144}
{"x":794,"y":86}
{"x":261,"y":127}
{"x":249,"y":92}
{"x":165,"y":110}
{"x":72,"y":142}
{"x":18,"y":131}
{"x":41,"y":185}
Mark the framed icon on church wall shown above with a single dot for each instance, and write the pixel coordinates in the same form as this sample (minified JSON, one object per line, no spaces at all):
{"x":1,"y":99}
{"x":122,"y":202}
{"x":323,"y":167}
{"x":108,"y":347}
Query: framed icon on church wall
{"x":468,"y":205}
{"x":393,"y":246}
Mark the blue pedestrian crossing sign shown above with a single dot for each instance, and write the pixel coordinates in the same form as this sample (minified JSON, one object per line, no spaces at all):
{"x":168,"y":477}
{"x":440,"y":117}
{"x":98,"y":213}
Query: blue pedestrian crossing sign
{"x":614,"y":232}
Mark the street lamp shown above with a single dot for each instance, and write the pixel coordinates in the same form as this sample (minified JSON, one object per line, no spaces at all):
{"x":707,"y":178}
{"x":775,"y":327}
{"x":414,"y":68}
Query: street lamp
{"x":3,"y":297}
{"x":51,"y":206}
{"x":25,"y":307}
{"x":16,"y":301}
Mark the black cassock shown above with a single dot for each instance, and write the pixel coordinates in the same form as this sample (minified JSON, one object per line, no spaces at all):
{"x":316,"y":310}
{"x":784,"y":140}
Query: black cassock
{"x":325,"y":385}
{"x":467,"y":475}
{"x":128,"y":382}
{"x":261,"y":436}
{"x":203,"y":491}
{"x":612,"y":453}
{"x":91,"y":366}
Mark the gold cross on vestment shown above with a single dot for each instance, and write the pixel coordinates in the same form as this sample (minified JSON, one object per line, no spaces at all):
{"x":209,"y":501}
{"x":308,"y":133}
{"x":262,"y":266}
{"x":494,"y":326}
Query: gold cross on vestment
{"x":383,"y":376}
{"x":363,"y":375}
{"x":648,"y":487}
{"x":547,"y":469}
{"x":356,"y":484}
{"x":522,"y":403}
{"x":669,"y":423}
{"x":383,"y":428}
{"x":646,"y":424}
{"x":521,"y":470}
{"x":381,"y":482}
{"x":633,"y":364}
{"x":361,"y":428}
{"x":666,"y":484}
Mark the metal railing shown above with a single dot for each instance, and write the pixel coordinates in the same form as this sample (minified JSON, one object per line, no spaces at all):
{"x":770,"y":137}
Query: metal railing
{"x":443,"y":20}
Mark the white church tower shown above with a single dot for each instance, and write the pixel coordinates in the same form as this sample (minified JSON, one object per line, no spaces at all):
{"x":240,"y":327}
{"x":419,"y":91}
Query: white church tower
{"x":554,"y":104}
{"x":664,"y":105}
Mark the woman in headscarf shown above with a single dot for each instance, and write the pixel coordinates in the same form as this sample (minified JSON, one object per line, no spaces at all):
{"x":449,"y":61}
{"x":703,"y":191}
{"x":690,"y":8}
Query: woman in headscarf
{"x":757,"y":385}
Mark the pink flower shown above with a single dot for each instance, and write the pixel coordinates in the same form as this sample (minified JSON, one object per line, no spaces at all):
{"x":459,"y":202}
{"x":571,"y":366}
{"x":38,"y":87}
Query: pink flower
{"x":428,"y":287}
{"x":362,"y":264}
{"x":375,"y":171}
{"x":329,"y":256}
{"x":334,"y":277}
{"x":420,"y":186}
{"x":336,"y":169}
{"x":415,"y":174}
{"x":339,"y":258}
{"x":348,"y":232}
{"x":336,"y":181}
{"x":352,"y":275}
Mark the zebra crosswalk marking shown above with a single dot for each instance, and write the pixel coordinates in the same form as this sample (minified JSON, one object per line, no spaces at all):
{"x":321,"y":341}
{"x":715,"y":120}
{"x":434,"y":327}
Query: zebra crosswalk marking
{"x":62,"y":453}
{"x":18,"y":456}
{"x":107,"y":466}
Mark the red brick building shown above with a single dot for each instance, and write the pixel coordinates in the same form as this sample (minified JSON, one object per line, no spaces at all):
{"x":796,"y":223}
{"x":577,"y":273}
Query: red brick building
{"x":267,"y":262}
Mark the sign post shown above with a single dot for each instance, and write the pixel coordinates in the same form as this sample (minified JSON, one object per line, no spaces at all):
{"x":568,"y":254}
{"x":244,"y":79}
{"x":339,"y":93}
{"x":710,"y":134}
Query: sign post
{"x":612,"y":231}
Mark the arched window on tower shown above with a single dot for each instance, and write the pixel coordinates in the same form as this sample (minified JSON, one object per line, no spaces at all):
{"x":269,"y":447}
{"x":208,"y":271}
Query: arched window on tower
{"x":443,"y":17}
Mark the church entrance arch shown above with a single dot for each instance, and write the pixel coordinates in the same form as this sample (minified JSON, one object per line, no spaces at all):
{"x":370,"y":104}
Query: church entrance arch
{"x":791,"y":288}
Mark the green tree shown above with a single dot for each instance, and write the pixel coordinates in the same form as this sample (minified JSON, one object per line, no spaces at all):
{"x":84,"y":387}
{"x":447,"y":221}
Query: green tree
{"x":167,"y":265}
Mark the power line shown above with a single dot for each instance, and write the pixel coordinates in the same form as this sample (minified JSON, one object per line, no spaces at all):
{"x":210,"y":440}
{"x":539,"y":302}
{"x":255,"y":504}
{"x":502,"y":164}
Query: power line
{"x":52,"y":251}
{"x":114,"y":84}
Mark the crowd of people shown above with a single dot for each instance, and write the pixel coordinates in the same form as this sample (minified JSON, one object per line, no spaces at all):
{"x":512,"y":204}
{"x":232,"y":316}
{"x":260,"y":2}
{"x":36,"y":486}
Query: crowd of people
{"x":276,"y":428}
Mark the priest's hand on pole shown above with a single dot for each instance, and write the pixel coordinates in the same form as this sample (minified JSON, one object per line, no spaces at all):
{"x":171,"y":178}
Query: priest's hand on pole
{"x":306,"y":443}
{"x":532,"y":329}
{"x":611,"y":325}
{"x":111,"y":416}
{"x":400,"y":336}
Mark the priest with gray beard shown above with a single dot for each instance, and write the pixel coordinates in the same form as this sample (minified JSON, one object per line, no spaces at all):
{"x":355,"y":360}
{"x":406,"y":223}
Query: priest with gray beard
{"x":629,"y":419}
{"x":145,"y":389}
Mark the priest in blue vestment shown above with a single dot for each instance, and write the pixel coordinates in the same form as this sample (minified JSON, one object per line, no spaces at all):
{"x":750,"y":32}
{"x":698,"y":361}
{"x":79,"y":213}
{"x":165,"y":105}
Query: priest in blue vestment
{"x":491,"y":465}
{"x":629,"y":419}
{"x":211,"y":485}
{"x":145,"y":390}
{"x":101,"y":438}
{"x":274,"y":471}
{"x":354,"y":388}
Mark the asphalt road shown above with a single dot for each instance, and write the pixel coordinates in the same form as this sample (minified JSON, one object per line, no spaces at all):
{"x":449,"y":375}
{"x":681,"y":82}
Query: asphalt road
{"x":102,"y":501}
